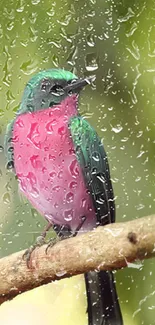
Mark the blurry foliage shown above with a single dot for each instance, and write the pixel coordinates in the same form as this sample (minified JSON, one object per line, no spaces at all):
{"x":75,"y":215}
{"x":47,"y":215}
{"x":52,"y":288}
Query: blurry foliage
{"x":115,"y":40}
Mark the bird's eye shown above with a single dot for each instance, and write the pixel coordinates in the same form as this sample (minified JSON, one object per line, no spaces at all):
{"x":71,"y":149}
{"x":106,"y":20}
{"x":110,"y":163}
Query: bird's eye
{"x":57,"y":90}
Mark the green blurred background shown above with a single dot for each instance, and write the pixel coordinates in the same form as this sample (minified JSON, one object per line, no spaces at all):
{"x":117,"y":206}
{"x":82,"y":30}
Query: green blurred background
{"x":115,"y":40}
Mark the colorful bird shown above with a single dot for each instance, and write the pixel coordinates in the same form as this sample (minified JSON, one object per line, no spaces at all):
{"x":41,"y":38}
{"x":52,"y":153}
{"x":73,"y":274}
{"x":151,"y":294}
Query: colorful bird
{"x":62,"y":169}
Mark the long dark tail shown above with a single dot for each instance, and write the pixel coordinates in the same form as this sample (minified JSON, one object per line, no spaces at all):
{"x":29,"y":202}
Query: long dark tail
{"x":103,"y":306}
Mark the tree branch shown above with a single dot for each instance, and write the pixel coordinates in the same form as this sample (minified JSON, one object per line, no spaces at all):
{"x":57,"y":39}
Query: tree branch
{"x":106,"y":248}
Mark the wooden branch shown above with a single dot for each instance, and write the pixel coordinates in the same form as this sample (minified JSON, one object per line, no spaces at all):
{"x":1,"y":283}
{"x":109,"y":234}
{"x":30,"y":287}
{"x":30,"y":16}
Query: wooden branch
{"x":106,"y":248}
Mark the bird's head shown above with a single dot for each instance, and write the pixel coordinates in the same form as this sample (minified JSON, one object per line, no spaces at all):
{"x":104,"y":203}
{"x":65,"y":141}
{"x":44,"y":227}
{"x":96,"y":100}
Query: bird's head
{"x":48,"y":88}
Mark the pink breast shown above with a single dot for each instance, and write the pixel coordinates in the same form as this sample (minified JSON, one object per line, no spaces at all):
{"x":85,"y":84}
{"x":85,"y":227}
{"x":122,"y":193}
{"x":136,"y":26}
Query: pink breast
{"x":48,"y":171}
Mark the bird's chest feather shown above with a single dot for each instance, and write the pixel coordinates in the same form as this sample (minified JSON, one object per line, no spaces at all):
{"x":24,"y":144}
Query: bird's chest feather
{"x":47,"y":168}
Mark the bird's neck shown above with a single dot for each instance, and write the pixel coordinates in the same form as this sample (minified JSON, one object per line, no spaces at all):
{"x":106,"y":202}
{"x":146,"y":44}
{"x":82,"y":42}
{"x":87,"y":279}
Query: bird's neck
{"x":68,"y":107}
{"x":59,"y":114}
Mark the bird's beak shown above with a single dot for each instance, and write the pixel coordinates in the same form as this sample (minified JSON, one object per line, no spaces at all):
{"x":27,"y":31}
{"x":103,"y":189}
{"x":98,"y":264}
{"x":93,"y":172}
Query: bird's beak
{"x":78,"y":84}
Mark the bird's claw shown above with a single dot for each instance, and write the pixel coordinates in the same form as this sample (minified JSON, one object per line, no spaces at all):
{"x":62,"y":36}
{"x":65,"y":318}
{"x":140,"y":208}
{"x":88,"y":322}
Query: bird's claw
{"x":40,"y":240}
{"x":52,"y":242}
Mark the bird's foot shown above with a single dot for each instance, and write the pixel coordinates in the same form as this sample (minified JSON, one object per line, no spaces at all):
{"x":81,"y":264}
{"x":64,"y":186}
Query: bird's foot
{"x":64,"y":232}
{"x":52,"y":242}
{"x":40,"y":240}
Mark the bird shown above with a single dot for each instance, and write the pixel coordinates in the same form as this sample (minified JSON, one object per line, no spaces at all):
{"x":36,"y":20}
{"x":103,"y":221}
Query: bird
{"x":62,"y":169}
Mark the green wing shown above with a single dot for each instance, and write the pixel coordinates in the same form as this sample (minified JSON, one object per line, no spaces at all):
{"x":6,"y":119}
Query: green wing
{"x":94,"y":164}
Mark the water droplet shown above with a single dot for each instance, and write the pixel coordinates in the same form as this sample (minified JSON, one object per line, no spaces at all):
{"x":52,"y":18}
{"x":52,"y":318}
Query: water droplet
{"x":33,"y":134}
{"x":34,"y":192}
{"x":10,"y":97}
{"x":28,"y":183}
{"x":49,"y":127}
{"x":71,"y":151}
{"x":16,"y":234}
{"x":96,"y":156}
{"x":73,"y":168}
{"x":138,"y":178}
{"x":8,"y":186}
{"x":117,"y":129}
{"x":15,"y":139}
{"x":125,"y":139}
{"x":56,"y":205}
{"x":73,"y":185}
{"x":34,"y":213}
{"x":68,"y":215}
{"x":61,"y":131}
{"x":56,"y":188}
{"x":83,"y":203}
{"x":46,"y":149}
{"x":35,"y":2}
{"x":69,"y":197}
{"x":91,"y":62}
{"x":101,"y":178}
{"x":52,"y":174}
{"x":31,"y":178}
{"x":90,"y":40}
{"x":65,"y":19}
{"x":140,"y":206}
{"x":51,"y":12}
{"x":6,"y":198}
{"x":20,"y":122}
{"x":36,"y":163}
{"x":10,"y":243}
{"x":20,"y":223}
{"x":29,"y":67}
{"x":52,"y":157}
{"x":55,"y":60}
{"x":60,"y":174}
{"x":10,"y":25}
{"x":110,"y":108}
{"x":60,"y":273}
